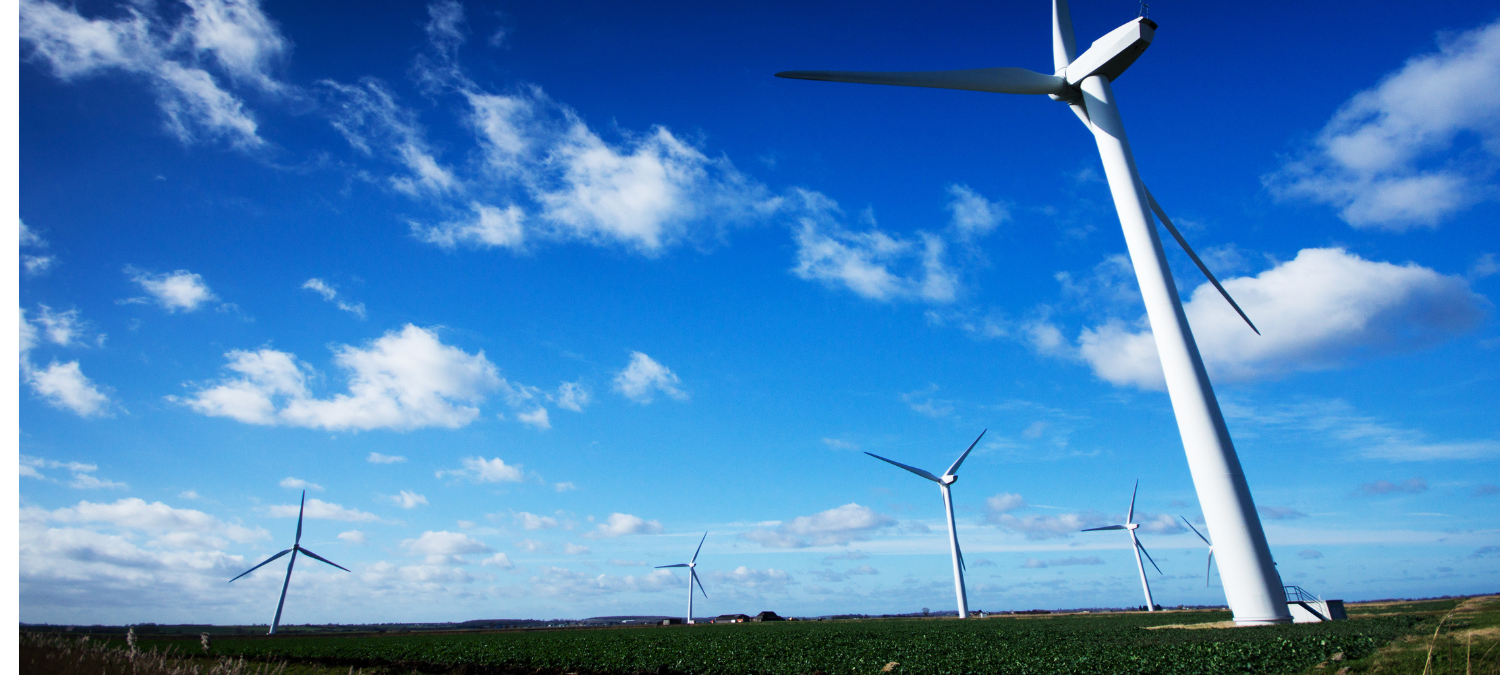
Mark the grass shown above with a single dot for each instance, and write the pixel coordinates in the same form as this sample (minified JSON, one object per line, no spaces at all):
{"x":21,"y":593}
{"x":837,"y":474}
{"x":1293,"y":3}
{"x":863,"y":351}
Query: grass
{"x":1430,"y":637}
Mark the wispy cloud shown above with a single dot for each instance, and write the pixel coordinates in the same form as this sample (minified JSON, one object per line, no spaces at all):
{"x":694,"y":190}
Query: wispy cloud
{"x":331,"y":294}
{"x":83,"y":474}
{"x":1413,"y":150}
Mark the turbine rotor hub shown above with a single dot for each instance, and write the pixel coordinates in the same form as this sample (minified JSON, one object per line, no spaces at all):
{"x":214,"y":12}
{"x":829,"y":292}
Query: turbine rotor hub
{"x":948,"y":480}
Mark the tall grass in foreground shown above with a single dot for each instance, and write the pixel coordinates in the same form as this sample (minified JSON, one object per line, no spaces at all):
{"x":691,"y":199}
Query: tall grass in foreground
{"x":58,"y":654}
{"x":1464,"y":642}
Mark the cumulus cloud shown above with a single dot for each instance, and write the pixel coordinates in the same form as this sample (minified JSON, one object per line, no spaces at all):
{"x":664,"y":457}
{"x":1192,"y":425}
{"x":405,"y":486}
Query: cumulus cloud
{"x":235,"y":36}
{"x":444,"y":548}
{"x":1413,"y":150}
{"x":404,"y":380}
{"x":407,"y":499}
{"x":498,"y":560}
{"x":83,"y":474}
{"x":173,"y":291}
{"x":1039,"y":527}
{"x":571,"y":396}
{"x":377,"y":458}
{"x":835,"y":527}
{"x":575,"y":549}
{"x":620,"y":524}
{"x":532,"y":521}
{"x":872,"y":264}
{"x":64,"y":386}
{"x":299,"y":484}
{"x":152,"y":517}
{"x":1004,"y":502}
{"x":353,"y":537}
{"x":766,"y":580}
{"x":565,"y":583}
{"x":331,"y":294}
{"x":1321,"y":310}
{"x":644,"y":377}
{"x":481,"y":470}
{"x":536,"y":418}
{"x":320,"y":510}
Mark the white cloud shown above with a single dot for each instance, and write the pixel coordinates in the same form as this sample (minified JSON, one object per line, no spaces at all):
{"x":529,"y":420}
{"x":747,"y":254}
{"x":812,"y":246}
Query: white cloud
{"x":1322,"y":309}
{"x":1340,"y":426}
{"x":299,"y":484}
{"x":370,"y":119}
{"x":973,"y":215}
{"x":33,"y":265}
{"x":536,"y":419}
{"x":63,"y":385}
{"x":154,"y":517}
{"x":444,"y":548}
{"x":1036,"y":563}
{"x":403,"y":380}
{"x":407,"y":500}
{"x":564,"y":487}
{"x":644,"y":376}
{"x":63,"y":329}
{"x":863,"y":261}
{"x":564,"y":583}
{"x":189,"y":494}
{"x":532,"y":521}
{"x":489,"y":226}
{"x":575,"y":549}
{"x":331,"y":294}
{"x":571,"y":396}
{"x":1004,"y":502}
{"x":533,"y":546}
{"x":620,"y":524}
{"x":377,"y":458}
{"x":1396,"y":156}
{"x":1047,"y":527}
{"x":834,"y":527}
{"x":236,"y":35}
{"x":353,"y":537}
{"x":321,"y":510}
{"x":769,"y":579}
{"x":180,"y":290}
{"x":83,"y":474}
{"x":481,"y":470}
{"x":498,"y":560}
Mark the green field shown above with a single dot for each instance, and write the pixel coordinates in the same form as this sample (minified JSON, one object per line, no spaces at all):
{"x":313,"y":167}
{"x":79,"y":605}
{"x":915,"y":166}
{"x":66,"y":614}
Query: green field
{"x":1381,"y":638}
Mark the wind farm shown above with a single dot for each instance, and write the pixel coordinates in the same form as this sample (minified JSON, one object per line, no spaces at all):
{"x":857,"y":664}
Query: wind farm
{"x":515,"y":300}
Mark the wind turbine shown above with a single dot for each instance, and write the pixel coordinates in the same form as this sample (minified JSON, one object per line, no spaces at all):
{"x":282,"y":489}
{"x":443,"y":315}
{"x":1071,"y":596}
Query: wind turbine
{"x":692,"y":576}
{"x":1130,"y":526}
{"x":1207,"y":574}
{"x":296,"y":547}
{"x":948,"y":478}
{"x":1251,"y":584}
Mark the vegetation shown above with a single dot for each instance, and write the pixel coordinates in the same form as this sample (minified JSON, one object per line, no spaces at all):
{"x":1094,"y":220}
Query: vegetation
{"x":1379,"y":638}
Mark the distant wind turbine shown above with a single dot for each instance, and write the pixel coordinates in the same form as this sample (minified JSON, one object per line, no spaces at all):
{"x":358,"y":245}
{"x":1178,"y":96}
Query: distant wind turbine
{"x":1207,"y":574}
{"x":948,"y":478}
{"x":1251,"y":583}
{"x":296,"y":547}
{"x":692,"y":576}
{"x":1130,"y":526}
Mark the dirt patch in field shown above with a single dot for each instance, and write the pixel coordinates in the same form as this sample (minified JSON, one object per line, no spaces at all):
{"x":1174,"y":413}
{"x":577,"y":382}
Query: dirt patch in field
{"x":1195,"y":626}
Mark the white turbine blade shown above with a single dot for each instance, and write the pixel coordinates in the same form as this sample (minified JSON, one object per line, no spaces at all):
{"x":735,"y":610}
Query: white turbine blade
{"x":998,"y":80}
{"x":954,"y":469}
{"x":300,"y":508}
{"x":915,"y":470}
{"x":1106,"y":527}
{"x":263,"y":564}
{"x":1063,"y":47}
{"x":315,"y":556}
{"x":1148,"y":555}
{"x":694,"y":575}
{"x":1156,"y":208}
{"x":700,"y":547}
{"x":1195,"y":531}
{"x":1130,"y":515}
{"x":677,"y":565}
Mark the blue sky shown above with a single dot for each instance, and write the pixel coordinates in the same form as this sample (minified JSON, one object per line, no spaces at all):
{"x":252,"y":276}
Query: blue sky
{"x":529,"y":297}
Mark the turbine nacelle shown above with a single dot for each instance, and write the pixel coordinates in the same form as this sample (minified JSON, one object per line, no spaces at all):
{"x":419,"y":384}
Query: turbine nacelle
{"x":947,"y":480}
{"x":1108,"y":56}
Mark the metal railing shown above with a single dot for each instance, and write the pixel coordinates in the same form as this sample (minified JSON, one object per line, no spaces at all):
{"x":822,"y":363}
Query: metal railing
{"x":1298,"y":594}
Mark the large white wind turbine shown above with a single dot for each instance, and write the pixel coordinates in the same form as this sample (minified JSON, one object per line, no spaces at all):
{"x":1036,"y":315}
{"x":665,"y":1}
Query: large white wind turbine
{"x":1130,"y":526}
{"x":692,"y":576}
{"x":294,"y":550}
{"x":1251,"y":584}
{"x":948,"y":478}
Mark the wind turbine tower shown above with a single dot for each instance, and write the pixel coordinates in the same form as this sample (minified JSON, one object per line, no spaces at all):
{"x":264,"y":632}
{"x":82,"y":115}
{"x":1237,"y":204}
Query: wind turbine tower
{"x":1131,"y":526}
{"x":944,"y":481}
{"x":1082,"y":81}
{"x":294,"y":550}
{"x":692,"y":566}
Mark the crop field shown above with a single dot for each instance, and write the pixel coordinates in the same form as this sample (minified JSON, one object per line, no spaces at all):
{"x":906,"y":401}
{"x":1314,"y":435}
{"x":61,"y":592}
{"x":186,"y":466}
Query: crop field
{"x":1377,"y":638}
